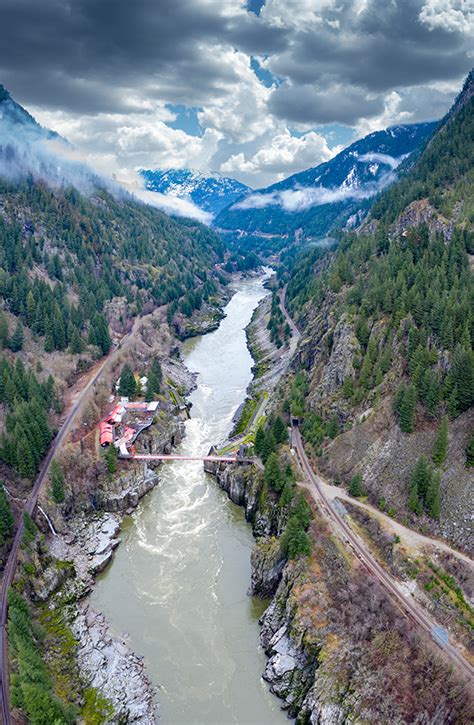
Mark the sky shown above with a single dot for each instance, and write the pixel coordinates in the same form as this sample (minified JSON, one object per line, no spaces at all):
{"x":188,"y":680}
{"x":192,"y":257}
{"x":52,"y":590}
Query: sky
{"x":256,"y":89}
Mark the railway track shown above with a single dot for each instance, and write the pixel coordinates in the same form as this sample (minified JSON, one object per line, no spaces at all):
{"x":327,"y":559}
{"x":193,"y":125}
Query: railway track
{"x":404,"y":603}
{"x":10,"y":567}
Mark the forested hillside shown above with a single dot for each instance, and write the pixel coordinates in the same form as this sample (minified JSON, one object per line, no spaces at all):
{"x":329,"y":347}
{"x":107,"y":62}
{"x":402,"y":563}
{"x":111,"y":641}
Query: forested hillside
{"x":389,"y":332}
{"x":318,"y":201}
{"x":64,"y":255}
{"x":76,"y":268}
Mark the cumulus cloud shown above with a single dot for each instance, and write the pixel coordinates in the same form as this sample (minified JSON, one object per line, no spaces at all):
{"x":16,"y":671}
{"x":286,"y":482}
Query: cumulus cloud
{"x":104,"y":73}
{"x":453,"y":15}
{"x":283,"y":155}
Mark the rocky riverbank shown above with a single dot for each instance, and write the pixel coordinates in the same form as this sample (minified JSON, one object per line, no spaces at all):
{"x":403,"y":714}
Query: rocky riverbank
{"x":86,"y":534}
{"x":104,"y":660}
{"x":290,"y":669}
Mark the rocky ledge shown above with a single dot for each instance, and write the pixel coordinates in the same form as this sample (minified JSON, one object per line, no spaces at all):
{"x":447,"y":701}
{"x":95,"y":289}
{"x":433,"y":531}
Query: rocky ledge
{"x":111,"y":667}
{"x":105,"y":661}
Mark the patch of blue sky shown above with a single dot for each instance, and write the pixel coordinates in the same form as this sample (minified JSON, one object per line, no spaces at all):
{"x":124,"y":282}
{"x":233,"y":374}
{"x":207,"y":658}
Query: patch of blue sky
{"x":336,"y":134}
{"x":186,"y":119}
{"x":255,"y":6}
{"x":263,"y":75}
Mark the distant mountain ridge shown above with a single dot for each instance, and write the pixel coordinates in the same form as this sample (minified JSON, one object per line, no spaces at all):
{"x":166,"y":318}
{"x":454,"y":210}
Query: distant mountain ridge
{"x":211,"y":192}
{"x":311,"y":203}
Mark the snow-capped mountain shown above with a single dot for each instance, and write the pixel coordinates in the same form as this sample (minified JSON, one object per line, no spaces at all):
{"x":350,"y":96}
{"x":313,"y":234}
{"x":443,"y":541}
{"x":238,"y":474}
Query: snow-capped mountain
{"x":211,"y":192}
{"x":311,"y":203}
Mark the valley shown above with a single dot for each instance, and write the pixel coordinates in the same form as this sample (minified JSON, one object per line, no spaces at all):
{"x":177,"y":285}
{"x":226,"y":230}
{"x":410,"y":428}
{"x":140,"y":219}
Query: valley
{"x":309,"y":437}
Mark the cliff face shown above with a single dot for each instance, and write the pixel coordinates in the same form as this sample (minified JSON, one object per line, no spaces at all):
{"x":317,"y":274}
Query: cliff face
{"x":371,"y":442}
{"x":292,"y":663}
{"x":332,"y":638}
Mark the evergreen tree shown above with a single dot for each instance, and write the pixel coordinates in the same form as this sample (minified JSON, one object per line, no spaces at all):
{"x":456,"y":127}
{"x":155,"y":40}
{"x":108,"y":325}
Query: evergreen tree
{"x":406,"y":409}
{"x":25,"y":460}
{"x":348,"y":387}
{"x":279,"y":430}
{"x":332,"y":428}
{"x":463,"y":378}
{"x":30,"y":528}
{"x":355,"y":486}
{"x":414,"y":503}
{"x":470,"y":450}
{"x":16,"y":343}
{"x":432,"y":498}
{"x":287,"y":494}
{"x":111,"y":457}
{"x":269,"y":445}
{"x":295,"y":541}
{"x":273,"y":473}
{"x":76,"y":344}
{"x":302,"y":511}
{"x":421,"y":477}
{"x":440,"y":447}
{"x":6,"y":518}
{"x":128,"y":386}
{"x":154,"y":379}
{"x":57,"y":482}
{"x":3,"y":331}
{"x":259,"y":444}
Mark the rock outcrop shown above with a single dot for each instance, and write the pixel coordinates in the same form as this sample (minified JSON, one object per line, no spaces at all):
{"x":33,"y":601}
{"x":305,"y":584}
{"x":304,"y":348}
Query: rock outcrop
{"x":113,"y":669}
{"x":105,"y":661}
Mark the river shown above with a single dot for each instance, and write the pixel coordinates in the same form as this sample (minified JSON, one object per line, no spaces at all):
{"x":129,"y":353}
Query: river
{"x":177,"y":585}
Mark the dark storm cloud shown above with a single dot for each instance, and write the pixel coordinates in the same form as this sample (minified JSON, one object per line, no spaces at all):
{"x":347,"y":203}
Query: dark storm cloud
{"x":102,"y":72}
{"x":385,"y":47}
{"x":304,"y":104}
{"x":97,"y":47}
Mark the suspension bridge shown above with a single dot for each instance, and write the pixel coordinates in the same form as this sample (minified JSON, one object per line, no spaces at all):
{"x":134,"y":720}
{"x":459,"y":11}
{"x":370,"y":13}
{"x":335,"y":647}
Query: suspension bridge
{"x":175,"y":457}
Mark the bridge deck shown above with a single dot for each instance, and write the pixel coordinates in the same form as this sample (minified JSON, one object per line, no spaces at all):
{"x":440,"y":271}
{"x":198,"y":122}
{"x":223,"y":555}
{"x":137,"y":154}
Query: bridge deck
{"x":171,"y":457}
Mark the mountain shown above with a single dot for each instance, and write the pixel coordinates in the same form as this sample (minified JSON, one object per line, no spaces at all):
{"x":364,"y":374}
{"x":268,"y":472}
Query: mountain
{"x":310,"y":204}
{"x":387,"y":352}
{"x":209,"y":192}
{"x":79,"y":256}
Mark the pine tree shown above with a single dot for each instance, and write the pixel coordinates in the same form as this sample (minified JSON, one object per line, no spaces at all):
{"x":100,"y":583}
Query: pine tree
{"x":273,"y":473}
{"x":25,"y":459}
{"x":440,"y":447}
{"x":407,"y":409}
{"x":414,"y":503}
{"x":421,"y":477}
{"x":3,"y":331}
{"x":287,"y":494}
{"x":6,"y":518}
{"x":355,"y":486}
{"x":30,"y":528}
{"x":128,"y":386}
{"x":295,"y":541}
{"x":332,"y":428}
{"x":470,"y":450}
{"x":57,"y":482}
{"x":302,"y":511}
{"x":269,"y":445}
{"x":279,"y":430}
{"x":154,"y":379}
{"x":432,"y":498}
{"x":348,"y":387}
{"x":76,"y":344}
{"x":16,"y":343}
{"x":111,"y":457}
{"x":259,"y":440}
{"x":463,"y":377}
